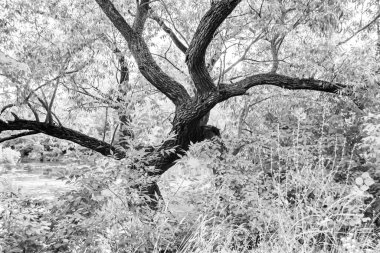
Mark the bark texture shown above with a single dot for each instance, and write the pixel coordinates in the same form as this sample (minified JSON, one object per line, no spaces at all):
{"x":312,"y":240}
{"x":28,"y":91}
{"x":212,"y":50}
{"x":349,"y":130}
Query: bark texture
{"x":61,"y":132}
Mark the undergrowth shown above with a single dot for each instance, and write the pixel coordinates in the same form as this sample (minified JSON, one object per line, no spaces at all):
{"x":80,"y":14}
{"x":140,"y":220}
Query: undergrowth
{"x":263,"y":202}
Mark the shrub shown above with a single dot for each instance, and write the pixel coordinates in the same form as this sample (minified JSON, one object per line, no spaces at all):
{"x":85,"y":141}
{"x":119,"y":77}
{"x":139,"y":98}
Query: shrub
{"x":9,"y":156}
{"x":292,"y":207}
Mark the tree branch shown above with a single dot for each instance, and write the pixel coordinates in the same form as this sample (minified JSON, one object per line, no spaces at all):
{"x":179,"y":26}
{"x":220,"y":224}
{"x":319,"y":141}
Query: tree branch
{"x":62,"y":133}
{"x":169,"y":31}
{"x":361,"y":29}
{"x":173,"y":23}
{"x":195,"y":55}
{"x":33,"y":111}
{"x":6,"y":107}
{"x":15,"y":136}
{"x":275,"y":44}
{"x":140,"y":51}
{"x":141,"y":16}
{"x":158,"y":158}
{"x":282,"y":81}
{"x":243,"y":56}
{"x":171,"y":63}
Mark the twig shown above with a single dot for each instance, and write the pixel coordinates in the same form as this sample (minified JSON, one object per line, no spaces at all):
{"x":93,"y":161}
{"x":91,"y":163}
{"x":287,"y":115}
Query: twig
{"x":360,"y":30}
{"x":15,"y":136}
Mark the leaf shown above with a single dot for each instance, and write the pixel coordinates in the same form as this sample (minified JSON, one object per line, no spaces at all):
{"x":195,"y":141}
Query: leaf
{"x":364,"y":188}
{"x":366,"y":175}
{"x":194,"y":163}
{"x":359,"y":181}
{"x":9,"y":63}
{"x":369,"y":181}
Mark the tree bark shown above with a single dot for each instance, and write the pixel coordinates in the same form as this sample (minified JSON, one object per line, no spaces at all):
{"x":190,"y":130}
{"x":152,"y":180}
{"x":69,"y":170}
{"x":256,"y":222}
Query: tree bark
{"x":61,"y":132}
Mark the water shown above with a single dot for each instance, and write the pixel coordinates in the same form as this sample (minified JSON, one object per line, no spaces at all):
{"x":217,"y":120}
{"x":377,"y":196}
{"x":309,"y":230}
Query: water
{"x":34,"y":180}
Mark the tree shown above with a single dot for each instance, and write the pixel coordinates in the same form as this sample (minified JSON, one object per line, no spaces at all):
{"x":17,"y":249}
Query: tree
{"x":270,"y":23}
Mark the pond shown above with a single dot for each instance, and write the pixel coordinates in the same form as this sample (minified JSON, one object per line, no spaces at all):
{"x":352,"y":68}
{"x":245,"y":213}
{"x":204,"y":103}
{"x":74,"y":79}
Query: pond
{"x":34,"y":180}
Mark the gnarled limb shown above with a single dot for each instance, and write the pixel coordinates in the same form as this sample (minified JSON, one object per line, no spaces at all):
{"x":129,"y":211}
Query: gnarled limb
{"x":195,"y":55}
{"x":62,"y":133}
{"x":286,"y":82}
{"x":140,"y":51}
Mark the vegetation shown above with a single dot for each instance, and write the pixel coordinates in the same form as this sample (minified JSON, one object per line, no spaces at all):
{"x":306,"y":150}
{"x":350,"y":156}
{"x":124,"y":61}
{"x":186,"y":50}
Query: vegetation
{"x":121,"y":93}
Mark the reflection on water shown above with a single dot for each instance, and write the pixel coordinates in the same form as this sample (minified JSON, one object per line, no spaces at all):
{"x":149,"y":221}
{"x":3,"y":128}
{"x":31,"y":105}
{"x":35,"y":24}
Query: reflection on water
{"x":34,"y":179}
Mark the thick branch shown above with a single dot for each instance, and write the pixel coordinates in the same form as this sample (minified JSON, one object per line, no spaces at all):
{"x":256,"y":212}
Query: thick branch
{"x":154,"y":157}
{"x":62,"y":133}
{"x":140,"y":51}
{"x":161,"y":160}
{"x":141,"y":16}
{"x":282,"y":81}
{"x":195,"y":55}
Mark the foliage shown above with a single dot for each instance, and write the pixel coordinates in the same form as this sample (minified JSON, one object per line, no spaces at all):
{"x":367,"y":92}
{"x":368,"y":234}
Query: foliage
{"x":8,"y":155}
{"x":245,"y":205}
{"x":103,"y":212}
{"x":372,"y":139}
{"x":294,"y":170}
{"x":25,"y":228}
{"x":278,"y":210}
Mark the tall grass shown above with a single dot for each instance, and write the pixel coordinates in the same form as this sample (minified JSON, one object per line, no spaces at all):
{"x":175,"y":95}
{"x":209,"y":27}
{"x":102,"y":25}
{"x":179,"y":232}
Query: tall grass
{"x":295,"y":206}
{"x":285,"y":200}
{"x":332,"y":220}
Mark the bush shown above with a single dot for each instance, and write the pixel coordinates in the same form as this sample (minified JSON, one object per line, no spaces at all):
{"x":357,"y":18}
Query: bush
{"x":24,"y":226}
{"x":294,"y":207}
{"x":9,"y":156}
{"x":282,"y":201}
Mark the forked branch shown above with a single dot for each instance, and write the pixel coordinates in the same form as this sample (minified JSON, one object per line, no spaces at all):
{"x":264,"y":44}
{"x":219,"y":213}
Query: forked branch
{"x":140,"y":51}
